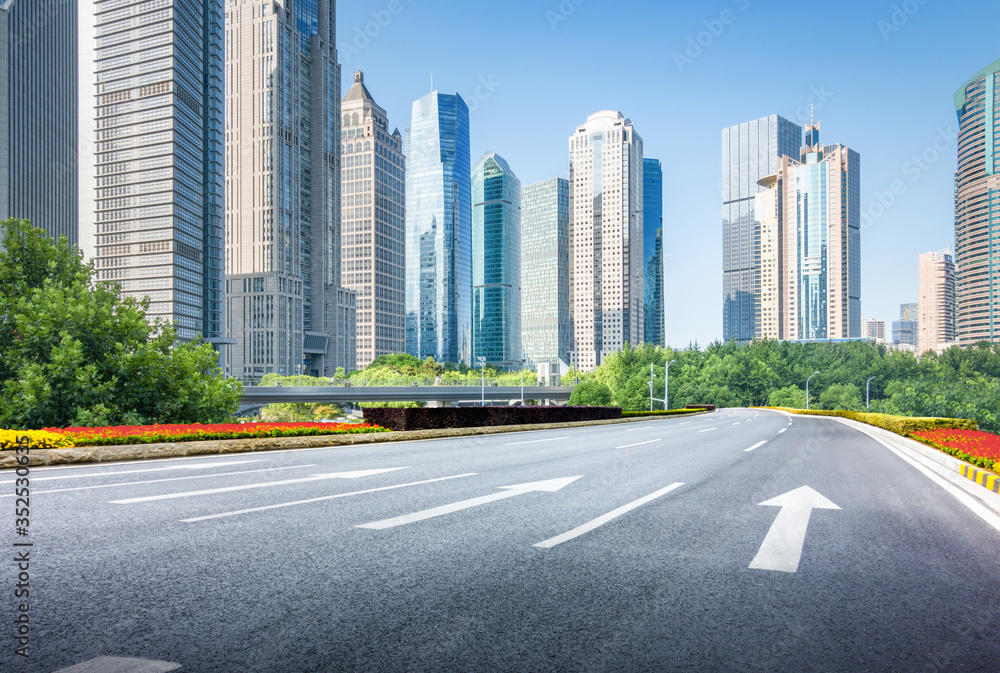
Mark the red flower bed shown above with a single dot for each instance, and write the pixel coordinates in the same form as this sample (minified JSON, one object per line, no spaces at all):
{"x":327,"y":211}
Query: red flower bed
{"x":973,"y":446}
{"x":152,"y":434}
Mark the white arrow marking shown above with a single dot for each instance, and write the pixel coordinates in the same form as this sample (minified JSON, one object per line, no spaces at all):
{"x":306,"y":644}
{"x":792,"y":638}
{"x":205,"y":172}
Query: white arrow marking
{"x":121,"y":665}
{"x":782,"y":547}
{"x":550,"y":486}
{"x":315,"y":477}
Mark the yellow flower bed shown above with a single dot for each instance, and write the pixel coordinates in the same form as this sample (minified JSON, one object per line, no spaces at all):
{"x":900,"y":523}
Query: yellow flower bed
{"x":40,"y":439}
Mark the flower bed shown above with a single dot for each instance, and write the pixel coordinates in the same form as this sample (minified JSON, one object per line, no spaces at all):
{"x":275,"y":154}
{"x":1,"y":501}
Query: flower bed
{"x":973,"y":446}
{"x":155,"y":434}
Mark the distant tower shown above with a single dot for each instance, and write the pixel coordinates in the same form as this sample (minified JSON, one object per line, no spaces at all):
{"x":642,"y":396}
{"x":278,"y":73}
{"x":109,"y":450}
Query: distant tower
{"x":936,"y":302}
{"x":606,"y":179}
{"x":653,"y":257}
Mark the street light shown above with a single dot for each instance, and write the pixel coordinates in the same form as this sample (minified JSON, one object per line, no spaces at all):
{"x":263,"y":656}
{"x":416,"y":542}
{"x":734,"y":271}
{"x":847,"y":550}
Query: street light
{"x":482,"y":369}
{"x":868,"y":394}
{"x":666,"y":390}
{"x":807,"y":389}
{"x":523,"y":360}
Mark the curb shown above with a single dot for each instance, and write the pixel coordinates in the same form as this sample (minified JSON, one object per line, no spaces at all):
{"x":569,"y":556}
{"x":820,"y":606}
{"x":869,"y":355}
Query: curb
{"x":126,"y":452}
{"x":981,"y":477}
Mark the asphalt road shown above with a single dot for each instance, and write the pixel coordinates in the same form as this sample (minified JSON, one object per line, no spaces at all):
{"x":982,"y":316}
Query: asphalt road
{"x":645,"y":548}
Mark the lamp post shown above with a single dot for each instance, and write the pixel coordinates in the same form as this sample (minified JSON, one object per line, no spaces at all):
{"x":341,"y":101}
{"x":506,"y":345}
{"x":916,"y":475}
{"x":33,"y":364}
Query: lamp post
{"x":868,"y":393}
{"x":651,"y":375}
{"x":482,"y":369}
{"x":807,"y":389}
{"x":666,"y":390}
{"x":523,"y":361}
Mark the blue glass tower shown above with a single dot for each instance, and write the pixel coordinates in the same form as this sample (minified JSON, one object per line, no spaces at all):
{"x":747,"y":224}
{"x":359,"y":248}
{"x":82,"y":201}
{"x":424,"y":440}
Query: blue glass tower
{"x":652,"y":239}
{"x":496,"y":262}
{"x":439,"y":230}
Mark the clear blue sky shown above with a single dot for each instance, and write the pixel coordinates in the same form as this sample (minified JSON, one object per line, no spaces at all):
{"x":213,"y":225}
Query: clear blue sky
{"x":532,"y":70}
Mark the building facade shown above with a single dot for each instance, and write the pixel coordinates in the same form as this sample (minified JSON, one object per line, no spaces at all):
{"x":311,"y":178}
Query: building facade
{"x":496,"y":263}
{"x":807,"y":285}
{"x":546,"y":273}
{"x":652,"y":255}
{"x":606,"y":179}
{"x":936,"y":302}
{"x":38,"y":115}
{"x":287,"y":310}
{"x":152,"y":168}
{"x":873,"y":330}
{"x":373,"y":222}
{"x":750,"y":152}
{"x":904,"y":330}
{"x":439,"y":230}
{"x":977,"y":208}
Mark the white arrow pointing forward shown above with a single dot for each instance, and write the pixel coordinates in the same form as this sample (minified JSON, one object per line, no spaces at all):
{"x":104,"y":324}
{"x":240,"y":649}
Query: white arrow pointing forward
{"x":782,"y":547}
{"x":550,"y":486}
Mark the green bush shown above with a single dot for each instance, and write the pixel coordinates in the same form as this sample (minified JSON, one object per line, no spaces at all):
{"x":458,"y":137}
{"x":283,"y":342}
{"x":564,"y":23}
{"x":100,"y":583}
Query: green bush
{"x":590,"y":394}
{"x":661,"y":412}
{"x":901,"y":425}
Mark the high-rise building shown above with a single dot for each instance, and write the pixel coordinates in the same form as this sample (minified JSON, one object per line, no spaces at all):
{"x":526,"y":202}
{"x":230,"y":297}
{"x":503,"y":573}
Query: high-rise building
{"x":873,"y":330}
{"x":936,"y":301}
{"x":496,"y":262}
{"x":750,"y":152}
{"x":439,"y":230}
{"x":909,"y":311}
{"x":652,"y":245}
{"x":546,"y":273}
{"x":287,"y":309}
{"x":373,"y":221}
{"x":606,"y":179}
{"x":38,"y":115}
{"x":152,"y":174}
{"x":808,"y":241}
{"x":904,"y":330}
{"x":977,"y":208}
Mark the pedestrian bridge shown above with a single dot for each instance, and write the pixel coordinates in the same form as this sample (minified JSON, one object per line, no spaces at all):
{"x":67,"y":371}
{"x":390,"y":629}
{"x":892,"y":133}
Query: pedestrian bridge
{"x":441,"y":395}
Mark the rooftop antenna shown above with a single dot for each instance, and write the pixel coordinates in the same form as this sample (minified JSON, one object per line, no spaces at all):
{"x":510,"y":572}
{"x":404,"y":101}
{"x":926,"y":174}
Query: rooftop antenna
{"x":812,"y":115}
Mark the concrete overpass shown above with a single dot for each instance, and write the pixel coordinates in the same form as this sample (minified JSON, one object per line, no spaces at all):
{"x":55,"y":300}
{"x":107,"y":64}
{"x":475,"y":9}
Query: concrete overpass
{"x":440,"y":395}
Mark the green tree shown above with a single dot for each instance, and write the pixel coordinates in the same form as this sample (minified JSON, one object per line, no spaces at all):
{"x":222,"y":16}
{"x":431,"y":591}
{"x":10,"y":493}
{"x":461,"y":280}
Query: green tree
{"x":73,"y":352}
{"x":590,"y":394}
{"x":841,"y":396}
{"x":791,"y":397}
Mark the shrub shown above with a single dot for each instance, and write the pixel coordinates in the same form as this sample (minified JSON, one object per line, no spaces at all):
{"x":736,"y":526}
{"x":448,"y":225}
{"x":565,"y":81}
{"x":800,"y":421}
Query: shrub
{"x":471,"y":417}
{"x":590,"y":393}
{"x":901,"y":425}
{"x":40,"y":439}
{"x":661,"y":412}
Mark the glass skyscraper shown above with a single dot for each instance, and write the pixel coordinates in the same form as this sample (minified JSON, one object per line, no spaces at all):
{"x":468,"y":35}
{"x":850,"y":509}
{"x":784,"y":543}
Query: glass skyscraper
{"x":546,"y":273}
{"x":652,"y":237}
{"x":439,"y":230}
{"x":977,"y":208}
{"x":750,"y":152}
{"x":38,"y":115}
{"x":152,"y":185}
{"x":496,"y":262}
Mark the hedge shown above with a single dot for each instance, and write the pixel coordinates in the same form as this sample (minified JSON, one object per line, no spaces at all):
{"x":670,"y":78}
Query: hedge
{"x":901,"y":425}
{"x":473,"y":417}
{"x":661,"y":412}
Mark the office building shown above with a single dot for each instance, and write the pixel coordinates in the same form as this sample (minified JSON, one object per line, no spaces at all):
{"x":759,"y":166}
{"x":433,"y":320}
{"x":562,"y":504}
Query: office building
{"x":373,"y":222}
{"x":807,"y":285}
{"x":936,"y":301}
{"x":750,"y":152}
{"x":439,"y":230}
{"x":977,"y":209}
{"x":873,"y":330}
{"x":904,"y":330}
{"x":606,"y":181}
{"x":496,"y":263}
{"x":287,"y":309}
{"x":152,"y":168}
{"x":546,"y":273}
{"x":652,"y":255}
{"x":38,"y":115}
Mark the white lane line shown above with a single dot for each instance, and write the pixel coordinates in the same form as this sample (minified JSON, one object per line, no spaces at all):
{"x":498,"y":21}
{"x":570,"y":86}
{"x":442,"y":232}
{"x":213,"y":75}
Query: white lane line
{"x":629,"y":446}
{"x":160,"y":481}
{"x":756,"y":446}
{"x":325,"y":497}
{"x":266,"y":484}
{"x":601,"y":520}
{"x":708,"y":429}
{"x":131,"y":463}
{"x":782,"y":430}
{"x":737,"y":423}
{"x":536,"y":441}
{"x":153,"y":469}
{"x":685,"y":422}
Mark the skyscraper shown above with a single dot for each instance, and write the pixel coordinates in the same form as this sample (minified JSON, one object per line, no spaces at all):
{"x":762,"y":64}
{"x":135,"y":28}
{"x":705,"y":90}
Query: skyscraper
{"x":374,"y":237}
{"x":808,"y":240}
{"x":750,"y":152}
{"x":606,"y":176}
{"x":546,"y":272}
{"x":936,"y":301}
{"x":652,"y":218}
{"x":439,"y":230}
{"x":904,"y":330}
{"x":151,"y":192}
{"x":287,"y":309}
{"x":496,"y":262}
{"x":873,"y":330}
{"x":38,"y":115}
{"x":977,"y":208}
